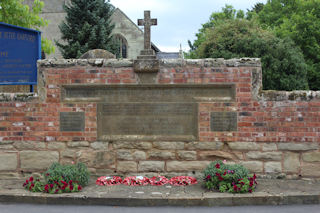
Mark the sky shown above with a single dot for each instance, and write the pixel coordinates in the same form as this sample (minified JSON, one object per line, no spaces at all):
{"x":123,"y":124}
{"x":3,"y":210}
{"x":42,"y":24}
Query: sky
{"x":178,"y":20}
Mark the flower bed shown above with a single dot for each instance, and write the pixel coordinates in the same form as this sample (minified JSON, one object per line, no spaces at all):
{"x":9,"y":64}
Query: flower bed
{"x":233,"y":178}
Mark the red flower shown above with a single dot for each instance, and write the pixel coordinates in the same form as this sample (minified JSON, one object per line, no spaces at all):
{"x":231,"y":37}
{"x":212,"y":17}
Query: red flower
{"x":218,"y":174}
{"x":31,"y":179}
{"x":71,"y":187}
{"x":51,"y":186}
{"x":224,"y":173}
{"x":218,"y":166}
{"x":208,"y":177}
{"x":254,"y":176}
{"x":250,"y":190}
{"x":79,"y":188}
{"x":47,"y":174}
{"x":220,"y":178}
{"x":70,"y":182}
{"x":235,"y":188}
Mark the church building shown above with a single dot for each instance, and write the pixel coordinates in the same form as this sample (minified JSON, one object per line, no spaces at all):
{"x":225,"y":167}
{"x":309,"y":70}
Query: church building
{"x":129,"y":34}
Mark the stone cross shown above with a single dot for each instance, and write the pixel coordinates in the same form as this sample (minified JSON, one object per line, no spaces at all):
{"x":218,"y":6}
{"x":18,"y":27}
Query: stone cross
{"x":147,"y":22}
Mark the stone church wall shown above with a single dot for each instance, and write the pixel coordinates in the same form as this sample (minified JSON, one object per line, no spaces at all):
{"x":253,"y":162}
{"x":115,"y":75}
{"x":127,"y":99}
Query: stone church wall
{"x":54,"y":12}
{"x":271,"y":133}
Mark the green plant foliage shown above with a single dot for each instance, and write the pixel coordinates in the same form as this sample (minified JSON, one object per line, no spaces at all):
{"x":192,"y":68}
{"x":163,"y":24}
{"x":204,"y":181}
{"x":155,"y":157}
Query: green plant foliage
{"x":87,"y":26}
{"x":57,"y":187}
{"x":299,"y":20}
{"x":283,"y":65}
{"x":233,"y":178}
{"x":16,"y":13}
{"x":77,"y":173}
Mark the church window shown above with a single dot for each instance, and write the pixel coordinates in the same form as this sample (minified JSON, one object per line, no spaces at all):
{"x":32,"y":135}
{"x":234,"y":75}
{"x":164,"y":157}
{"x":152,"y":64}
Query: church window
{"x":123,"y":46}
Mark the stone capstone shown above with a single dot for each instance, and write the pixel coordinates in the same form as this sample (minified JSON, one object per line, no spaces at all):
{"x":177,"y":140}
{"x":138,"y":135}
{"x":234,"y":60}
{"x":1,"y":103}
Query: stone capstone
{"x":97,"y":53}
{"x":38,"y":159}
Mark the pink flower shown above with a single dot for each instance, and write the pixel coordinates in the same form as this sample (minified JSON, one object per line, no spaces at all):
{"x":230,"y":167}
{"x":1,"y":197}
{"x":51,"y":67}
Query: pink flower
{"x":224,"y":161}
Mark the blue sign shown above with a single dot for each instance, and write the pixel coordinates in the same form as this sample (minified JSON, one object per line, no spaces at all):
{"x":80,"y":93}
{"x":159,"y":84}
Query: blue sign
{"x":20,"y":48}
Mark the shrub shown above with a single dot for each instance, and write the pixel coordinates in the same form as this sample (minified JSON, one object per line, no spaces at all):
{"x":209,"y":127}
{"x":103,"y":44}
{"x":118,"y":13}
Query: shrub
{"x":229,"y":178}
{"x":77,"y":173}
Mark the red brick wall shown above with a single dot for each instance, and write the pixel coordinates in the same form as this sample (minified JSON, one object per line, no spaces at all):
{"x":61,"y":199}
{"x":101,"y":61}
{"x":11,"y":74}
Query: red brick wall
{"x":267,"y":122}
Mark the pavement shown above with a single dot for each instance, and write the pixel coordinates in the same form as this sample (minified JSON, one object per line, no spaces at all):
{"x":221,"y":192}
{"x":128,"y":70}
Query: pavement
{"x":268,"y":192}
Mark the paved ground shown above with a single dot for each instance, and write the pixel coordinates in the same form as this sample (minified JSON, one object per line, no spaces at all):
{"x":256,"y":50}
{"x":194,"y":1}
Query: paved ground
{"x":35,"y":208}
{"x":269,"y":192}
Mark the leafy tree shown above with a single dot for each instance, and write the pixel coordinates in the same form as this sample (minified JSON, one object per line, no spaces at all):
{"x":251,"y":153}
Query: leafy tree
{"x":16,"y":13}
{"x":299,"y":20}
{"x":228,"y":12}
{"x":283,"y":64}
{"x":87,"y":26}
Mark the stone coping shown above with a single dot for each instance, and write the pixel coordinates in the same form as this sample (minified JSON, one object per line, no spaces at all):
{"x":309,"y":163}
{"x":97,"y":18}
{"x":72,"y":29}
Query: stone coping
{"x":18,"y":97}
{"x":209,"y":62}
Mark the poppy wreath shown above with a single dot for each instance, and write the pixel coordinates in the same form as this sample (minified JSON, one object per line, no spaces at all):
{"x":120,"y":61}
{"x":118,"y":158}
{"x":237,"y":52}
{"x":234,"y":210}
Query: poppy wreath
{"x":136,"y":181}
{"x":158,"y":181}
{"x":183,"y":181}
{"x":104,"y":180}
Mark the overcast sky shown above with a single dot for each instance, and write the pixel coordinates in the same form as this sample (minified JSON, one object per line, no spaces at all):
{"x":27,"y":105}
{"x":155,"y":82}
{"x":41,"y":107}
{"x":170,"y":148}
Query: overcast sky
{"x":178,"y":20}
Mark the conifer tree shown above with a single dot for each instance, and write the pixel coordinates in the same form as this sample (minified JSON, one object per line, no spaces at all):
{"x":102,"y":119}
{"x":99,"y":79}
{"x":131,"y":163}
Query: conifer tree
{"x":87,"y":26}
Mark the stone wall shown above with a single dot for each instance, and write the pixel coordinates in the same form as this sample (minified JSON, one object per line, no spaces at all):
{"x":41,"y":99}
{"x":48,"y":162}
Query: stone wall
{"x":276,"y":132}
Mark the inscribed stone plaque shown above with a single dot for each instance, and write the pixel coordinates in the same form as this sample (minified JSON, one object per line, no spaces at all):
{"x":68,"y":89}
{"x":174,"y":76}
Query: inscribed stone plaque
{"x":147,"y":119}
{"x":223,"y":121}
{"x":72,"y":121}
{"x":149,"y":93}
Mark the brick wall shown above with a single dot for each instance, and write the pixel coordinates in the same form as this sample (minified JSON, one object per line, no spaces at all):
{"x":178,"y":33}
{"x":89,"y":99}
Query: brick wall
{"x":278,"y":132}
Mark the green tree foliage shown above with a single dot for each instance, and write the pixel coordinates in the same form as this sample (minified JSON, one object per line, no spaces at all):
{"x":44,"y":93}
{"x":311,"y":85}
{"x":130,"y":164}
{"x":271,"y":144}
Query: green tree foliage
{"x":283,"y":64}
{"x":229,"y":35}
{"x":87,"y":26}
{"x":16,"y":13}
{"x":299,"y":20}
